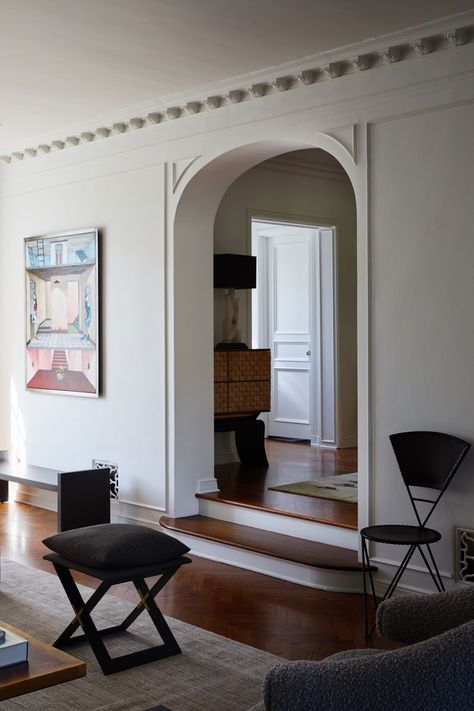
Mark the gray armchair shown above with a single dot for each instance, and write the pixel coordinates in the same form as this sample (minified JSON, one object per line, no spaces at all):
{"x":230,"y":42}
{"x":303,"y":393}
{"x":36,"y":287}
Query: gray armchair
{"x":434,"y":673}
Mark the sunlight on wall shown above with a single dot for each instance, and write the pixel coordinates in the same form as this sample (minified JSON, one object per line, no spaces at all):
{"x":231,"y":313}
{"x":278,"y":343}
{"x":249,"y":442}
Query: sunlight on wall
{"x":17,"y":428}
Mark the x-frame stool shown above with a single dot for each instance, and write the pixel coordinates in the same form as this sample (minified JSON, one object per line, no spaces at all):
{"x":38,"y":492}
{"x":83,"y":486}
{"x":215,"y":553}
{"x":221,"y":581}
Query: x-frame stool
{"x":82,"y":610}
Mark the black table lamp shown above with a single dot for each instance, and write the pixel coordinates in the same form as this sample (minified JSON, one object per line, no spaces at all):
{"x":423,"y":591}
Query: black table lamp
{"x":231,"y":272}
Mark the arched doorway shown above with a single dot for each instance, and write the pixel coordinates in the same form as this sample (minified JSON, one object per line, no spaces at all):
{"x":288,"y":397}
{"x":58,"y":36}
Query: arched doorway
{"x":192,"y":214}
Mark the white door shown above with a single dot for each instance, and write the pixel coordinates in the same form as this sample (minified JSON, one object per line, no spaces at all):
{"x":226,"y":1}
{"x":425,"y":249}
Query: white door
{"x":294,"y":313}
{"x":290,"y":279}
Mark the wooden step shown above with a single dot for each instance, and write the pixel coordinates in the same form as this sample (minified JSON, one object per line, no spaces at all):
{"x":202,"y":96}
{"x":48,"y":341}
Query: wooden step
{"x":276,"y":545}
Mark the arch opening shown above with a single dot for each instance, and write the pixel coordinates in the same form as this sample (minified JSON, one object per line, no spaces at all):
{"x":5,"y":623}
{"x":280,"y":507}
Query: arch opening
{"x":191,"y":397}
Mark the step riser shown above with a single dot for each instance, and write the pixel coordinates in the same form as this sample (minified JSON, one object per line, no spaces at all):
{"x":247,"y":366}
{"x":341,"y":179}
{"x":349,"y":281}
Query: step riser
{"x":329,"y":580}
{"x":278,"y":523}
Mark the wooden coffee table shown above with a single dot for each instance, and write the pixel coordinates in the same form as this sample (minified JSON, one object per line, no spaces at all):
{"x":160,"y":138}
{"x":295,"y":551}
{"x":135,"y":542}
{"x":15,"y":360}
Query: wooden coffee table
{"x":46,"y":666}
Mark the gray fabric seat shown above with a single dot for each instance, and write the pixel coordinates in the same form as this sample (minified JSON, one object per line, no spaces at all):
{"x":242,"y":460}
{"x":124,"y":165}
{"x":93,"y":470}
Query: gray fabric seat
{"x":434,"y":673}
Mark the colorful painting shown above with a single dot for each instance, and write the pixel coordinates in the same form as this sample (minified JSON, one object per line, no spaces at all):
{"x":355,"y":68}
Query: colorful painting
{"x":62,"y":317}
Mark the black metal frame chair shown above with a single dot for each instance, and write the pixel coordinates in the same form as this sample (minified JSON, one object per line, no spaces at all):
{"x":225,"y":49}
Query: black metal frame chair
{"x":428,"y":460}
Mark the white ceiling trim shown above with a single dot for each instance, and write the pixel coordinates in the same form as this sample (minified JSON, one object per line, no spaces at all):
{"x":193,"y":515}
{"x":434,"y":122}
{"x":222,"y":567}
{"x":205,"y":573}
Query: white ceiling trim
{"x":328,"y":66}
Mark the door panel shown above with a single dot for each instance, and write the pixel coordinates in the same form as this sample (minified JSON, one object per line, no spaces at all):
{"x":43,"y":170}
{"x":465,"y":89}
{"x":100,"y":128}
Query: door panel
{"x":291,"y":257}
{"x":291,"y":287}
{"x":292,"y":396}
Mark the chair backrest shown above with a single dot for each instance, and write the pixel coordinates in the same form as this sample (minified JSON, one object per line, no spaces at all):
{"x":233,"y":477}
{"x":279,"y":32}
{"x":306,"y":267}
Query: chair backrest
{"x":429,"y":460}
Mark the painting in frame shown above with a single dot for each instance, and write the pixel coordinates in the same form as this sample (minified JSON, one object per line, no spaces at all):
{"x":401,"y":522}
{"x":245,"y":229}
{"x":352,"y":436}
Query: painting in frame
{"x":62,"y":313}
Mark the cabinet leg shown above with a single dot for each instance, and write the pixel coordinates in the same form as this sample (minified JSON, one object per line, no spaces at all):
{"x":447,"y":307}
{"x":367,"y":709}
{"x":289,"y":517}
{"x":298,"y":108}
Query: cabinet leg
{"x":250,"y":442}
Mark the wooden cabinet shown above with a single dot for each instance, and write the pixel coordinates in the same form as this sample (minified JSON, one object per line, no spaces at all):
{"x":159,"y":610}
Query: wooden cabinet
{"x":241,"y":382}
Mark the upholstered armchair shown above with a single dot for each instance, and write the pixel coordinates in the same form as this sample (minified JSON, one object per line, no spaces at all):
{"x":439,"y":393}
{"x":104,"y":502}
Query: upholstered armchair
{"x":434,"y":673}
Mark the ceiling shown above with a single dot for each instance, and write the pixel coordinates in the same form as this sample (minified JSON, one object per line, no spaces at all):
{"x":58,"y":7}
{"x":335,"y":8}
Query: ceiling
{"x":64,"y":63}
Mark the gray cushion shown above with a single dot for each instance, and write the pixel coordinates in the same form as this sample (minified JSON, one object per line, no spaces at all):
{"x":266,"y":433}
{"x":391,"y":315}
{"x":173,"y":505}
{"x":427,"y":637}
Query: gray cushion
{"x":116,"y":545}
{"x":413,"y":618}
{"x":434,"y":675}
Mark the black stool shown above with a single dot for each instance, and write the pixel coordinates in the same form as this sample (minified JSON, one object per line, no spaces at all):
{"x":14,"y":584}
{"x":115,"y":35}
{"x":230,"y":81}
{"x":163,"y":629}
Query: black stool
{"x":96,"y":538}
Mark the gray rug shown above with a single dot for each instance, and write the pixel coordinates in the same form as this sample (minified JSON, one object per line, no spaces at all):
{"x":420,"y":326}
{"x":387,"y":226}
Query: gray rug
{"x":212,"y":674}
{"x":342,"y":487}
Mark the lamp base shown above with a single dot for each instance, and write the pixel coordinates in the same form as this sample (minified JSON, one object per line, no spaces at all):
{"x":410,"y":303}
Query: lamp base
{"x":225,"y":346}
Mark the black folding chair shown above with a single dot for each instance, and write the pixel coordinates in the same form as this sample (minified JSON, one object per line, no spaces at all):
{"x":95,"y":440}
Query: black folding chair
{"x":428,"y":460}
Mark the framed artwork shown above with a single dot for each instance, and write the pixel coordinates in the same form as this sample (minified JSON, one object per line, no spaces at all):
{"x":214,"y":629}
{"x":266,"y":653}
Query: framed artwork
{"x":62,"y":313}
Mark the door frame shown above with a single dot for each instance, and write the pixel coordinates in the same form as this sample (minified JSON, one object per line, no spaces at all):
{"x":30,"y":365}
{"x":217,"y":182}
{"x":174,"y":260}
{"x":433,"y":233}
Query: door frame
{"x":317,"y":417}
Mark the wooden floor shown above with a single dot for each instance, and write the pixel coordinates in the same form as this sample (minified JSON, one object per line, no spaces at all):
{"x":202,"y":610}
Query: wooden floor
{"x":286,"y":619}
{"x":289,"y":462}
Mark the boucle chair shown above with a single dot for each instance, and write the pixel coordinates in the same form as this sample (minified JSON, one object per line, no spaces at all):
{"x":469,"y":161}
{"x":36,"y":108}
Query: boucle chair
{"x":434,"y":673}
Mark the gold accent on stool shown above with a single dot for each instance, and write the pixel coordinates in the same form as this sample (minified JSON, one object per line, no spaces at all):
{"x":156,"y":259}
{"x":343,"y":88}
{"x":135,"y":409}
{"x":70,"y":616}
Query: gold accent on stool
{"x":143,"y":599}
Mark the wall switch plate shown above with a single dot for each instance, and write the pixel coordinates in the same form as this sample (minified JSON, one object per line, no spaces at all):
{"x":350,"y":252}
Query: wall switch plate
{"x":114,"y":475}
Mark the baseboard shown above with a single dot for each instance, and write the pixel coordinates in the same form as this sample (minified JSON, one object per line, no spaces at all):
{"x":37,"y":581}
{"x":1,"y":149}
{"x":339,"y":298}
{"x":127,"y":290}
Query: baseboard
{"x":127,"y":512}
{"x":416,"y":579}
{"x":342,"y":443}
{"x":42,"y":498}
{"x":120,"y":511}
{"x":207,"y":486}
{"x":347,"y":442}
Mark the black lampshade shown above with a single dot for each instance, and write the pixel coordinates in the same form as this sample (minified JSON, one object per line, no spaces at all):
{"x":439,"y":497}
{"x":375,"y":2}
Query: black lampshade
{"x":235,"y":271}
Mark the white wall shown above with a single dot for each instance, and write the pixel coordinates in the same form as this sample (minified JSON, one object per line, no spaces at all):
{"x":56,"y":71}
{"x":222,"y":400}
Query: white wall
{"x":423,"y":297}
{"x":270,"y":191}
{"x":415,"y":336}
{"x":67,"y":432}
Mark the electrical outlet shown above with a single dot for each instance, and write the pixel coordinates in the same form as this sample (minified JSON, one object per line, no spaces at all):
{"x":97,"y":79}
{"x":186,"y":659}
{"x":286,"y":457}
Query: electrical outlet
{"x":114,"y":475}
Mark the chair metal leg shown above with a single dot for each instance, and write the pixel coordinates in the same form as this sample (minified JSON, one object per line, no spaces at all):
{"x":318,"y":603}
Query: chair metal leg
{"x":366,"y":568}
{"x":391,"y":588}
{"x":401,"y":569}
{"x":441,"y":584}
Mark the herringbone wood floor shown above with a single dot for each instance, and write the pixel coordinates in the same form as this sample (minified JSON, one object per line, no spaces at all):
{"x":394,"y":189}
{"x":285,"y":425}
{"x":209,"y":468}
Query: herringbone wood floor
{"x":279,"y":617}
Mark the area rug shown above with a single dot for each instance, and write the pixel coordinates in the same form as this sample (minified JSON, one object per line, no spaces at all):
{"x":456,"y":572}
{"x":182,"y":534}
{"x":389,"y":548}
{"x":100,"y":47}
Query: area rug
{"x":212,"y":674}
{"x":342,"y":487}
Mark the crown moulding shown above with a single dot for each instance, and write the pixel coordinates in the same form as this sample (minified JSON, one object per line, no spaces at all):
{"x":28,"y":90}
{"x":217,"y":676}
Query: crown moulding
{"x":213,"y":102}
{"x":307,"y":76}
{"x":193,"y":107}
{"x":282,"y":83}
{"x":332,"y":70}
{"x":422,"y":46}
{"x":303,"y":78}
{"x":173,"y":112}
{"x":155,"y":117}
{"x":360,"y":63}
{"x":390,"y":54}
{"x":235,"y":96}
{"x":258,"y":90}
{"x":457,"y":38}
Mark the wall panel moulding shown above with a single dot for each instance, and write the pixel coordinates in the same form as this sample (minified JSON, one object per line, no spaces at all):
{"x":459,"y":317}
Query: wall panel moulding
{"x":328,"y":69}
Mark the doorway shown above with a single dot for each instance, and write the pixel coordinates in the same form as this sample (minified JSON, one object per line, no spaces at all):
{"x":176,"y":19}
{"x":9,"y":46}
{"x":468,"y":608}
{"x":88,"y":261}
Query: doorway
{"x":300,"y":218}
{"x":192,"y":222}
{"x":294,"y":313}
